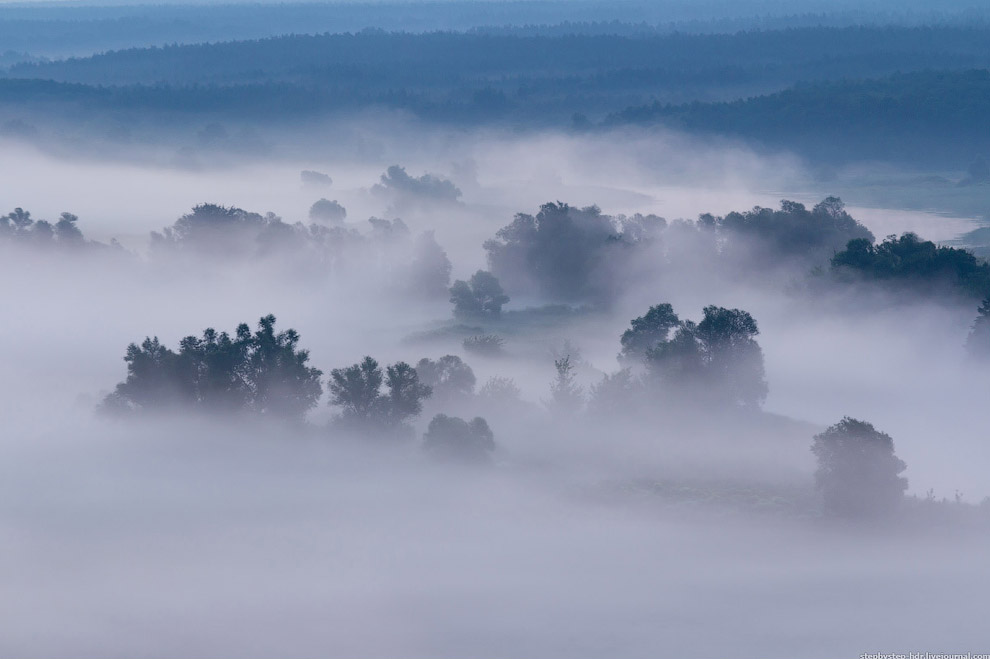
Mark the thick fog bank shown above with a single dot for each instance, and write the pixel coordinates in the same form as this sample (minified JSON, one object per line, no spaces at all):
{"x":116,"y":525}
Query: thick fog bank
{"x":174,"y":540}
{"x":610,"y":514}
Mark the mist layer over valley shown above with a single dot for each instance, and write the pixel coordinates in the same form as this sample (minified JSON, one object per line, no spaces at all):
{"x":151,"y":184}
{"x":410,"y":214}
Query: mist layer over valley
{"x":384,"y":381}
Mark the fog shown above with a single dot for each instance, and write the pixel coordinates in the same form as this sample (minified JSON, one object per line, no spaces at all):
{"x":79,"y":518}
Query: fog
{"x":677,"y":529}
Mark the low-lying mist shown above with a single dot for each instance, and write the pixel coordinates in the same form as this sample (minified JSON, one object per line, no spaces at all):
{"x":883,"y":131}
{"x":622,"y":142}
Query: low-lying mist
{"x":625,"y":516}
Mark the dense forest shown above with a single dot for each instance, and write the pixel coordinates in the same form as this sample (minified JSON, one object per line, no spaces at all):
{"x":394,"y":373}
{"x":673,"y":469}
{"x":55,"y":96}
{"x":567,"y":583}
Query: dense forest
{"x":835,"y":94}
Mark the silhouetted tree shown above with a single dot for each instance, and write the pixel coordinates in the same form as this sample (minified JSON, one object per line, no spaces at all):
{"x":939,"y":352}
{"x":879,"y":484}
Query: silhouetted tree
{"x":66,"y":230}
{"x":397,"y":184}
{"x":263,"y":373}
{"x":978,"y":341}
{"x":315,"y":179}
{"x":858,"y":473}
{"x":429,"y":272}
{"x":648,"y":331}
{"x":565,"y":394}
{"x":914,"y":264}
{"x":481,"y":297}
{"x":449,"y":377}
{"x":216,"y":230}
{"x":451,"y":438}
{"x":718,"y":358}
{"x":565,"y":251}
{"x":500,"y":390}
{"x":614,"y":395}
{"x":326,"y":210}
{"x":732,"y":356}
{"x":489,"y":345}
{"x":366,"y":408}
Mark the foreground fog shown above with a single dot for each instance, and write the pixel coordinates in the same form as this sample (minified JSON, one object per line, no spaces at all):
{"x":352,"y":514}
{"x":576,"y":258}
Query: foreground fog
{"x":630,"y":535}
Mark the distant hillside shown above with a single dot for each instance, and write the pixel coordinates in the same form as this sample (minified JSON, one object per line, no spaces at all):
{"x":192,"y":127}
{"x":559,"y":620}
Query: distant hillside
{"x":915,"y":116}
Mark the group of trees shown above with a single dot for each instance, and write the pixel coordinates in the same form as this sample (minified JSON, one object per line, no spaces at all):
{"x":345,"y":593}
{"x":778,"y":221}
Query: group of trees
{"x":924,"y":117}
{"x":398,"y":186}
{"x":913,"y":264}
{"x":718,"y":357}
{"x":213,"y":232}
{"x":565,"y":253}
{"x":791,"y":234}
{"x":480,"y":297}
{"x":263,"y":372}
{"x":266,"y":373}
{"x":532,"y":77}
{"x":18,"y":227}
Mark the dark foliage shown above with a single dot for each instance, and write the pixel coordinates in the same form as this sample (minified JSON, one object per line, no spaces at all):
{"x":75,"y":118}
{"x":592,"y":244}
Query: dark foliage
{"x":792,"y":233}
{"x":449,"y":377}
{"x":978,"y":341}
{"x":717,"y":359}
{"x":398,"y":185}
{"x":315,"y":179}
{"x":262,"y":373}
{"x":912,"y":263}
{"x":925,"y":117}
{"x":648,"y":331}
{"x":568,"y":254}
{"x":429,"y":272}
{"x":367,"y":407}
{"x":487,"y":345}
{"x":453,"y":439}
{"x":566,"y":396}
{"x":481,"y":297}
{"x":858,"y":473}
{"x":18,"y":228}
{"x":325,"y":210}
{"x":229,"y":232}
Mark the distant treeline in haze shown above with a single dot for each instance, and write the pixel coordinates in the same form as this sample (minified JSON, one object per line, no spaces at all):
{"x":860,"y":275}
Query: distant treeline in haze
{"x":908,"y":93}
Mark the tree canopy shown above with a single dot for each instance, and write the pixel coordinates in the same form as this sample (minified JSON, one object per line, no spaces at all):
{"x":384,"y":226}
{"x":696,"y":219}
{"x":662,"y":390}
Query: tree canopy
{"x":368,"y":407}
{"x":911,"y":261}
{"x":263,"y":373}
{"x":451,"y":438}
{"x":858,"y":473}
{"x":481,"y":297}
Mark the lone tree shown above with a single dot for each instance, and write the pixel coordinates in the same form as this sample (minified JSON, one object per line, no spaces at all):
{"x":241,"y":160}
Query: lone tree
{"x":263,"y":373}
{"x":481,"y":297}
{"x":325,"y":210}
{"x":858,"y":473}
{"x":566,"y":396}
{"x":428,"y":274}
{"x":367,"y":408}
{"x":453,"y":439}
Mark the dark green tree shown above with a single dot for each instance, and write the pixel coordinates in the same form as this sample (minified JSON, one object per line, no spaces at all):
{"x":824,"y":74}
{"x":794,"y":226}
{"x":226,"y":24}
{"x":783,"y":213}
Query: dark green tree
{"x":858,"y":473}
